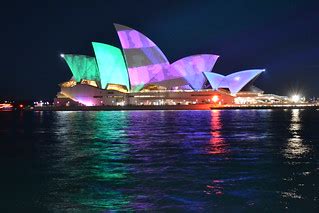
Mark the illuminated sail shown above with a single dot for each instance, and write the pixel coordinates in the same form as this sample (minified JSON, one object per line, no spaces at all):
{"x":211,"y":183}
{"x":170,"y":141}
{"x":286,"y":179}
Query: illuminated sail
{"x":191,"y":68}
{"x":235,"y":81}
{"x":82,"y":67}
{"x":143,"y":58}
{"x":111,"y":65}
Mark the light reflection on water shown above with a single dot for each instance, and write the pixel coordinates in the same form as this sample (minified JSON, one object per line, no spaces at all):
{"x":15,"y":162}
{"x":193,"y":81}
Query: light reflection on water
{"x":234,"y":160}
{"x":216,"y":141}
{"x":295,"y":146}
{"x":87,"y":161}
{"x":295,"y":150}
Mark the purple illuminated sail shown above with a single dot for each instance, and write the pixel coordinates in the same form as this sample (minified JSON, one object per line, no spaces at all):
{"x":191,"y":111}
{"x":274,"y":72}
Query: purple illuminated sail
{"x":235,"y":81}
{"x":192,"y":67}
{"x":147,"y":64}
{"x":143,"y":58}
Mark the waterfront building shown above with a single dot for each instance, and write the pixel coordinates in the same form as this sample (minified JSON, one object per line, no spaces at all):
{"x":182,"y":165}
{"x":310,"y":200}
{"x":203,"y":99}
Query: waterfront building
{"x":140,"y":74}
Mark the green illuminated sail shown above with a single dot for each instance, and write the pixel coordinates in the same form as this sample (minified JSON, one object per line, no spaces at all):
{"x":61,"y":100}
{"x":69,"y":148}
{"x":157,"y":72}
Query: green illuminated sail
{"x":82,"y":67}
{"x":111,"y":65}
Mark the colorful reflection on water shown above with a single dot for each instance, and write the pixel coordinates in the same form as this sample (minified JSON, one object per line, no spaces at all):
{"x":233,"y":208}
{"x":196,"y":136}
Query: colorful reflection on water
{"x":234,"y":160}
{"x":216,"y":141}
{"x":88,"y":156}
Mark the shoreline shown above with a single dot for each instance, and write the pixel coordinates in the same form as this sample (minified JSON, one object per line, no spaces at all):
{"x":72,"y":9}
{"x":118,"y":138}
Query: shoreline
{"x":173,"y":107}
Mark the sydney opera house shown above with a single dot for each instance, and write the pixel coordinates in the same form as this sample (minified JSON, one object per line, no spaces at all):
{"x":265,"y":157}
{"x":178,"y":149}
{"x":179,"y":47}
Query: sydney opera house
{"x":140,"y":74}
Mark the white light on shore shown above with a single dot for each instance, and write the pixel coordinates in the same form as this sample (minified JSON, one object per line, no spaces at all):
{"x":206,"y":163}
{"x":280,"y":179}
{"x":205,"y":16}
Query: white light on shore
{"x":295,"y":98}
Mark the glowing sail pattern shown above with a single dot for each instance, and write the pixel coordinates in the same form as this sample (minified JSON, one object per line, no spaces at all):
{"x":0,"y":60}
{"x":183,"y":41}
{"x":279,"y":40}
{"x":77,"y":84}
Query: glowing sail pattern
{"x":235,"y":81}
{"x":192,"y":67}
{"x":214,"y":79}
{"x":147,"y":64}
{"x":111,"y":65}
{"x":82,"y":67}
{"x":143,"y":58}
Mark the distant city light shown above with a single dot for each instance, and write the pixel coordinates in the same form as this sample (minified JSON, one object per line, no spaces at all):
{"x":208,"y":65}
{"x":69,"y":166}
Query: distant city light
{"x":295,"y":98}
{"x":62,"y":55}
{"x":6,"y":106}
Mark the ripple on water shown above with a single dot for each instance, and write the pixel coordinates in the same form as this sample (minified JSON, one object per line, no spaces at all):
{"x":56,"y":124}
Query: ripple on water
{"x":234,"y":160}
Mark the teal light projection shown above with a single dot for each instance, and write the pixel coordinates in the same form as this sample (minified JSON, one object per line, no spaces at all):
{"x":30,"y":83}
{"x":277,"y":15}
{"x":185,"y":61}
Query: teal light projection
{"x":82,"y":67}
{"x":111,"y":65}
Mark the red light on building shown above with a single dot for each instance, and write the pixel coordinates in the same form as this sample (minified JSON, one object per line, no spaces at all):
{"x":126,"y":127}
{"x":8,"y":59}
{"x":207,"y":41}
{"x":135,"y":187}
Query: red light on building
{"x":21,"y":105}
{"x":215,"y":98}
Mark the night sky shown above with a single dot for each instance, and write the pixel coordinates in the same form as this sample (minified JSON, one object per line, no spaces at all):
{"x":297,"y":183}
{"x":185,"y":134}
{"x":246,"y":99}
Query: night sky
{"x":281,"y":36}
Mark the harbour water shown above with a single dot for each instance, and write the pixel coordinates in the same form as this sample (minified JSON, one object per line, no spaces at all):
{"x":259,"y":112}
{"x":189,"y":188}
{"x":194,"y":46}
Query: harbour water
{"x":220,"y":160}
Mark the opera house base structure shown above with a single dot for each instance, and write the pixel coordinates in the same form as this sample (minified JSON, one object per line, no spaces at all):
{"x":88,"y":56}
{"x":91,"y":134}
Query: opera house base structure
{"x":166,"y":99}
{"x":141,"y":77}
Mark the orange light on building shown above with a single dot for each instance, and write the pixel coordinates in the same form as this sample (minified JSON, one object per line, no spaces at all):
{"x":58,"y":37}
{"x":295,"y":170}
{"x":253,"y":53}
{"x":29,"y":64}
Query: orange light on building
{"x":6,"y":106}
{"x":215,"y":98}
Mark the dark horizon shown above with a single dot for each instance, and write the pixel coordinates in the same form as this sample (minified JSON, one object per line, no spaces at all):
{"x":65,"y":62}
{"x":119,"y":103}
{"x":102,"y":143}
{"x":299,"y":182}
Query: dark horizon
{"x":281,"y":37}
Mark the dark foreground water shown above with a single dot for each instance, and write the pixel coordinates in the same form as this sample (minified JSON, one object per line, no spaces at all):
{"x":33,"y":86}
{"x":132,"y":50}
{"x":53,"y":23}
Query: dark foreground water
{"x":240,"y":160}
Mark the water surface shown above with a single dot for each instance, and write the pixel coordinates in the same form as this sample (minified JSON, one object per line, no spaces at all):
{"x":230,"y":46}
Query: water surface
{"x":235,"y":160}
